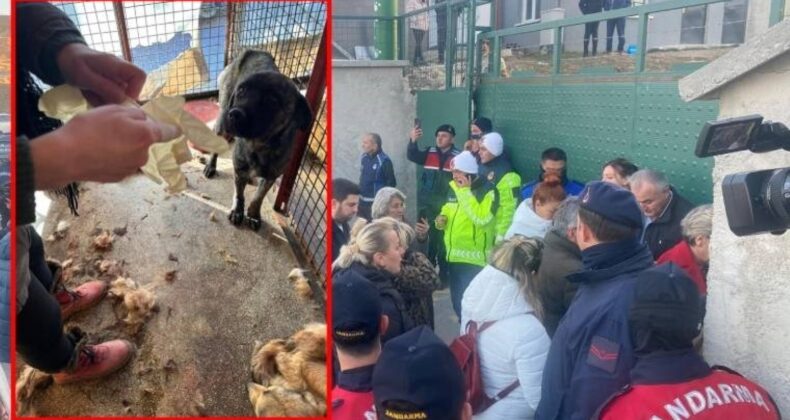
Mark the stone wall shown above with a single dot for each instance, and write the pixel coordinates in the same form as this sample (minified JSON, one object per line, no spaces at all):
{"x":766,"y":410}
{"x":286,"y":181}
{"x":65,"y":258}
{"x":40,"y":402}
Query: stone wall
{"x":748,"y":325}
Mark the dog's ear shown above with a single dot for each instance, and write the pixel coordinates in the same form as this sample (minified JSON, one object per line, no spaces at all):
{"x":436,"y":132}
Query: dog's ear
{"x":303,"y":114}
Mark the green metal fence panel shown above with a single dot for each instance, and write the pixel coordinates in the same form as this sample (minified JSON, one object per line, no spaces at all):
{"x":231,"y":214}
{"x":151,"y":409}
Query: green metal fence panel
{"x":435,"y":108}
{"x":641,"y":119}
{"x":666,"y":131}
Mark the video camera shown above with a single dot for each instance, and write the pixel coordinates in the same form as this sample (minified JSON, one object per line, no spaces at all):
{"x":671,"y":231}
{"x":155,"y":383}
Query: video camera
{"x":759,"y":201}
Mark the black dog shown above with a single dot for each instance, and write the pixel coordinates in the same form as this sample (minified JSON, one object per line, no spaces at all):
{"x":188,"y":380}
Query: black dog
{"x":262,"y":109}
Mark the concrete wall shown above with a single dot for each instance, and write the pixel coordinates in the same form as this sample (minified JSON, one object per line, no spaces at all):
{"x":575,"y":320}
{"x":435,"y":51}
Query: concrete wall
{"x":757,"y":18}
{"x":373,"y":96}
{"x":748,"y":325}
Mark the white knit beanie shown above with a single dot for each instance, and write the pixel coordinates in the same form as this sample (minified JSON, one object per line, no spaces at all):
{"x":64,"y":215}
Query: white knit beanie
{"x":465,"y":162}
{"x":493,"y":143}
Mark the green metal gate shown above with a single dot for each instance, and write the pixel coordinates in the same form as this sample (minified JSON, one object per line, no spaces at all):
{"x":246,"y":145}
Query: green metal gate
{"x":595,"y":110}
{"x":596,"y":120}
{"x":444,"y":107}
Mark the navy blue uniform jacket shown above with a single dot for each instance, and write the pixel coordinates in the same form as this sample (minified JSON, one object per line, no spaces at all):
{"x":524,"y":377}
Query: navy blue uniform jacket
{"x":591,"y":352}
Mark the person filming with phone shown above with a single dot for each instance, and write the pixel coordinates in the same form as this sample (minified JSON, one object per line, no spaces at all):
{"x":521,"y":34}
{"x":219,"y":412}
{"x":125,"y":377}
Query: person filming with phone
{"x":433,"y":187}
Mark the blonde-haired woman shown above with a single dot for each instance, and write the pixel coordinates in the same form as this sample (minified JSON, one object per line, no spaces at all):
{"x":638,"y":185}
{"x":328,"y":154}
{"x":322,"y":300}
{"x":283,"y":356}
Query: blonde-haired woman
{"x":513,"y":344}
{"x":417,"y":279}
{"x":375,"y":253}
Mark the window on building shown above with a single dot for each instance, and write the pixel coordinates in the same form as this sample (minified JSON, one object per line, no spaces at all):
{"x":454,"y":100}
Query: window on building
{"x":734,"y":25}
{"x":530,"y":10}
{"x":692,"y":29}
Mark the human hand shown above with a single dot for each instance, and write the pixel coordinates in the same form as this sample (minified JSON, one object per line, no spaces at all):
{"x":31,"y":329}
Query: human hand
{"x":441,"y":222}
{"x":105,"y":144}
{"x":415,"y":134}
{"x":422,"y":228}
{"x":103,"y":78}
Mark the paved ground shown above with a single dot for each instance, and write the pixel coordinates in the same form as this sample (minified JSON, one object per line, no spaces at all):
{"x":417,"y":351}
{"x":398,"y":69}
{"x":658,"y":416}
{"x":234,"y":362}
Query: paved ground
{"x":446,"y":324}
{"x":193,"y":354}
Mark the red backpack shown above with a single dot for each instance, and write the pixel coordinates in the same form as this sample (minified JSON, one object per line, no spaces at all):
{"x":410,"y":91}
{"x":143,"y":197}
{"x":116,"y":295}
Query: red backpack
{"x":464,"y":349}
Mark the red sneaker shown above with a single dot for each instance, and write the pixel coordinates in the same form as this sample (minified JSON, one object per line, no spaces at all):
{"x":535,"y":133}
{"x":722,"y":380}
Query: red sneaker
{"x":96,"y":361}
{"x":83,"y":297}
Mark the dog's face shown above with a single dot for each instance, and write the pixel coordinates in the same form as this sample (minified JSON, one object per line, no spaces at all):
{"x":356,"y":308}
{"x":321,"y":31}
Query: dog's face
{"x":263,"y":104}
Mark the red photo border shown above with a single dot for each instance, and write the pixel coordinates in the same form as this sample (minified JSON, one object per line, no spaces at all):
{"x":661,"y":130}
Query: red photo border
{"x":12,"y":157}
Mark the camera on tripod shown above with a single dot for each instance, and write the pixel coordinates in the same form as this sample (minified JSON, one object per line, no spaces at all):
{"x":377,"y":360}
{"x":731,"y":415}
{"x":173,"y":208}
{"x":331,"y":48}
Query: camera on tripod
{"x":759,"y":201}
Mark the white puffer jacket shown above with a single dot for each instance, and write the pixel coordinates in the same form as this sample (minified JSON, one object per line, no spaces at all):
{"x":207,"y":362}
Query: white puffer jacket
{"x":515,"y":347}
{"x":526,"y":222}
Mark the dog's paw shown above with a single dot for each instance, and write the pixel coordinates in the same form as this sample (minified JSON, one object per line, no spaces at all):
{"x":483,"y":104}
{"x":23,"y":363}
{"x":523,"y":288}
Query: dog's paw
{"x":236,"y":217}
{"x":254,"y":224}
{"x":209,"y":171}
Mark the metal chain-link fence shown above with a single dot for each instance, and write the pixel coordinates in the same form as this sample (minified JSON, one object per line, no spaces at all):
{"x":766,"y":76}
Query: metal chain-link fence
{"x":183,"y":47}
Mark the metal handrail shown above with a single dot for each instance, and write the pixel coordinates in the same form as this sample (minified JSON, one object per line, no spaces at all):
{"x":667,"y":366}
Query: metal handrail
{"x":650,"y":8}
{"x":426,"y":9}
{"x":558,"y":25}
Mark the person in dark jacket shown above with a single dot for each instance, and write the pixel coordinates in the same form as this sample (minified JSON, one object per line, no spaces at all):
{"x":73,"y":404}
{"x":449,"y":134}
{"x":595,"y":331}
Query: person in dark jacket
{"x":434,"y":186}
{"x":663,"y":209}
{"x":377,"y":172}
{"x":375,"y":254}
{"x":588,"y":7}
{"x":345,"y":204}
{"x":417,"y":279}
{"x":418,"y":377}
{"x":479,"y":127}
{"x":615,"y":24}
{"x":561,"y":256}
{"x":553,"y":161}
{"x":105,"y":144}
{"x":357,"y":326}
{"x":670,"y":379}
{"x":591,"y":352}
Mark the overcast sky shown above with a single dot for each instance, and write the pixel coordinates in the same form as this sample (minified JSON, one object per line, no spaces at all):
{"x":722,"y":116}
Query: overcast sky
{"x":5,"y":7}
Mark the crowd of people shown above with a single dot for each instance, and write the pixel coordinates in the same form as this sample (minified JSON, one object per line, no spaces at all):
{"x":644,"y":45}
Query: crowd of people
{"x":582,"y":300}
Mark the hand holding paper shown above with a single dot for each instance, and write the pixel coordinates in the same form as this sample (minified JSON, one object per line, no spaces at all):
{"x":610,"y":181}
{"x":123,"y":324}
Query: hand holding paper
{"x":105,"y":144}
{"x":159,"y":116}
{"x":103,"y":78}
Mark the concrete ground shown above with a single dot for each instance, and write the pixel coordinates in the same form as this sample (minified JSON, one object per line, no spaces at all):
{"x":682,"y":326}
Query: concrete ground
{"x":446,"y":324}
{"x":193,"y":354}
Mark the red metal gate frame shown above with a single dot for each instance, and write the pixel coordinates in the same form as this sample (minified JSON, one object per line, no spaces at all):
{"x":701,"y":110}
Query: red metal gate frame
{"x":316,"y":88}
